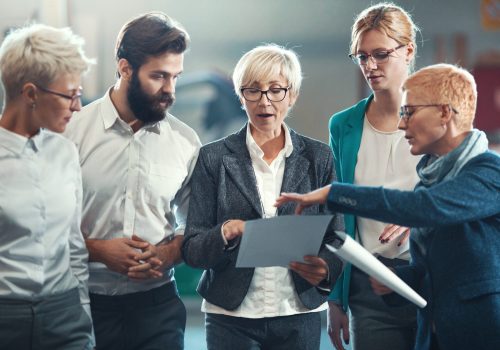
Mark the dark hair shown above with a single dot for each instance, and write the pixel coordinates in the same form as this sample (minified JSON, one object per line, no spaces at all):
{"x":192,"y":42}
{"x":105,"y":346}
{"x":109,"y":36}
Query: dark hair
{"x":147,"y":35}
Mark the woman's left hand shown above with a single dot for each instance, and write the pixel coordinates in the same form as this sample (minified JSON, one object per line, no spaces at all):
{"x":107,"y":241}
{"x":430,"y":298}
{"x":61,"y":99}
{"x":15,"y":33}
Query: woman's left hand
{"x":314,"y":270}
{"x":392,"y":232}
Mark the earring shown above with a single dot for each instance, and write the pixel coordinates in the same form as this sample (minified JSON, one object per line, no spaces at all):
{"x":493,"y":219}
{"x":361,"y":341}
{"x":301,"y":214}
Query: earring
{"x":33,"y":105}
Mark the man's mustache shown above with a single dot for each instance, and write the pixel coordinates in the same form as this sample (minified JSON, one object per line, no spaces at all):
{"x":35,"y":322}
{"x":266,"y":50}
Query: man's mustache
{"x":169,"y":99}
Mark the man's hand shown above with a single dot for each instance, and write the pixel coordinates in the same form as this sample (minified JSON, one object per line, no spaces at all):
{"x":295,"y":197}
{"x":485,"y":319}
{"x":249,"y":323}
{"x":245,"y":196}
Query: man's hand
{"x":156,"y":259}
{"x":118,"y":254}
{"x":314,"y":270}
{"x":337,"y":321}
{"x":392,"y":232}
{"x":305,"y":200}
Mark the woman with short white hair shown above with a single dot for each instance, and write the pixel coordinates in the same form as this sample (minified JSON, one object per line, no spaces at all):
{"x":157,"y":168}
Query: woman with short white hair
{"x":236,"y":179}
{"x":43,"y":260}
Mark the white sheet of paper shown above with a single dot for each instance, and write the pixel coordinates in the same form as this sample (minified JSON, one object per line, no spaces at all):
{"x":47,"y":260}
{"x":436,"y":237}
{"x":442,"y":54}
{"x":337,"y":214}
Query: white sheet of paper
{"x":280,"y":240}
{"x":354,"y":253}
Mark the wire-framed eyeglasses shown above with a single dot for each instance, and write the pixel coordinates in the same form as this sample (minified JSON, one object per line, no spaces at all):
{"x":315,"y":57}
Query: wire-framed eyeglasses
{"x":407,"y":111}
{"x":379,"y":56}
{"x":274,"y":94}
{"x":75,"y":98}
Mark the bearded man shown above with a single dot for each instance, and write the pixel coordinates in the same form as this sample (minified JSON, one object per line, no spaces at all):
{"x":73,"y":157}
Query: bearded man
{"x":136,"y":162}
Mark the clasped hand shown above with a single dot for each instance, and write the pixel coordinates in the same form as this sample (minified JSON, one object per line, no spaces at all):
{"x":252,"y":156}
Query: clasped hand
{"x":134,"y":257}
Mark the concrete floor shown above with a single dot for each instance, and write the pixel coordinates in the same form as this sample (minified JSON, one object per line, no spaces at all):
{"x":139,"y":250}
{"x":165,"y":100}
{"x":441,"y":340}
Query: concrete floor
{"x":194,"y":338}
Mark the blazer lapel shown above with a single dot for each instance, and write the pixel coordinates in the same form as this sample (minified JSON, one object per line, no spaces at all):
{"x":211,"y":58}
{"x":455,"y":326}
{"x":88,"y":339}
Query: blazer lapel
{"x":352,"y":140}
{"x":239,"y":167}
{"x":296,"y":168}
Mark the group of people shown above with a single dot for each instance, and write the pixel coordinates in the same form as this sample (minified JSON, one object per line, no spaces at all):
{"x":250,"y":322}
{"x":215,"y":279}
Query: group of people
{"x":93,"y":221}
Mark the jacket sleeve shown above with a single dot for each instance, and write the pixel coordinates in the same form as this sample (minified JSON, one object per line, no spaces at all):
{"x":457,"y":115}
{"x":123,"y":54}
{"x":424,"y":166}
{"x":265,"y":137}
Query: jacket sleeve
{"x":473,"y":194}
{"x":203,"y":246}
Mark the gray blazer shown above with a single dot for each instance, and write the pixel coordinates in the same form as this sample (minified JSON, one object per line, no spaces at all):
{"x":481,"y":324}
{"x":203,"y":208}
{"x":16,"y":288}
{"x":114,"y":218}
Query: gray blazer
{"x":223,"y":187}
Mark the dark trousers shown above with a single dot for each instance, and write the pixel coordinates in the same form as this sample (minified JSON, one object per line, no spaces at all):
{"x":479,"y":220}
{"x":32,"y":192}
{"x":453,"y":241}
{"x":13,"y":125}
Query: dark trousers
{"x":151,"y":320}
{"x":435,"y":344}
{"x":373,"y":324}
{"x":57,"y":322}
{"x":296,"y":332}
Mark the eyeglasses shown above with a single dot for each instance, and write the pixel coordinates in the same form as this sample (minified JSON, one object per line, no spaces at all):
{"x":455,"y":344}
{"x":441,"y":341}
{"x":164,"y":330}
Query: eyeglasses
{"x":407,"y":111}
{"x":275,"y":94}
{"x":74,"y":98}
{"x":379,"y":56}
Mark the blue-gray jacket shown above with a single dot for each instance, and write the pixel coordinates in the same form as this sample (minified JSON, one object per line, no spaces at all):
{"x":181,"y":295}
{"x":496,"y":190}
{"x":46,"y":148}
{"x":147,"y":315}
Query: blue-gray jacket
{"x":223,"y":187}
{"x":459,"y":274}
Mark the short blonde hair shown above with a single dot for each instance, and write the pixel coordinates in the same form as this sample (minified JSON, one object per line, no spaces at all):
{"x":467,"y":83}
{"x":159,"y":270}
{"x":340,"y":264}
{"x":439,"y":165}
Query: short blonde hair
{"x":388,"y":19}
{"x":40,"y":54}
{"x":447,"y":84}
{"x":265,"y":61}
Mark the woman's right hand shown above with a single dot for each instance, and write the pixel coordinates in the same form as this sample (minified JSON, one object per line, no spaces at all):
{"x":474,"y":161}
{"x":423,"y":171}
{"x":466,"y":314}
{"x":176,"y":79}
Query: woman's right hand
{"x":232,"y":229}
{"x":337,"y":321}
{"x":305,"y":200}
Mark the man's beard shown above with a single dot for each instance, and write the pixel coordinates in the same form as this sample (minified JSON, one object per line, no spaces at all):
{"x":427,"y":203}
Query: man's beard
{"x":147,"y":108}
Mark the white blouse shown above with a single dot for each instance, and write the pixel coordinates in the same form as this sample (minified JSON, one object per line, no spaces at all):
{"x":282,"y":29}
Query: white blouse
{"x":384,"y":159}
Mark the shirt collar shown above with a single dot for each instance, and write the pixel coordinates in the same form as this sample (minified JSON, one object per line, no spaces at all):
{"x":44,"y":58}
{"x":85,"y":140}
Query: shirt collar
{"x":256,"y":151}
{"x":38,"y":139}
{"x":110,"y":115}
{"x":17,"y":143}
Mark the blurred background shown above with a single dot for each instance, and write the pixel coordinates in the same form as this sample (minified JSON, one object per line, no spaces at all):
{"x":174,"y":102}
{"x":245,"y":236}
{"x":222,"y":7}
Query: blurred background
{"x":466,"y":32}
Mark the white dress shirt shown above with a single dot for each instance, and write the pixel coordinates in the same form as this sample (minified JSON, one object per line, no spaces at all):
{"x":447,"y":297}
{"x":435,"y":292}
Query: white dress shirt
{"x":384,"y":159}
{"x":42,"y":251}
{"x":133,"y":183}
{"x":272,"y":291}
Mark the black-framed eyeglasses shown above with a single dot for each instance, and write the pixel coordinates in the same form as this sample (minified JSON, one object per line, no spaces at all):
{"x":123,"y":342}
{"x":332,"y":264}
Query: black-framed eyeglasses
{"x":407,"y":111}
{"x":275,"y":94}
{"x":75,"y":98}
{"x":379,"y":56}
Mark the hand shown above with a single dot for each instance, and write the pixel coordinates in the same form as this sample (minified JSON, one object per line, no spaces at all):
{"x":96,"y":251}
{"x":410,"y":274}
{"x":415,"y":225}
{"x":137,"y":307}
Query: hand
{"x":233,"y":229}
{"x":149,"y":262}
{"x":314,"y":271}
{"x":392,"y":231}
{"x":379,"y":288}
{"x":156,"y":259}
{"x":118,"y":254}
{"x":337,"y":321}
{"x":305,"y":200}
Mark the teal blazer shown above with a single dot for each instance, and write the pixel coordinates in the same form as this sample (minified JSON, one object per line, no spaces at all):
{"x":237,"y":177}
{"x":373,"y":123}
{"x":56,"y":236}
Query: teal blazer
{"x":346,"y":128}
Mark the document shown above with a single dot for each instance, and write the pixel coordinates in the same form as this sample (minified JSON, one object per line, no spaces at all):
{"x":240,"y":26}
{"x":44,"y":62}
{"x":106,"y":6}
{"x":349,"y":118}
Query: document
{"x":351,"y":251}
{"x":280,"y":240}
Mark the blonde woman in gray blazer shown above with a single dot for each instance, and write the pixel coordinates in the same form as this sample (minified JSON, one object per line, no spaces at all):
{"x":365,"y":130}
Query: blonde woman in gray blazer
{"x":237,"y":179}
